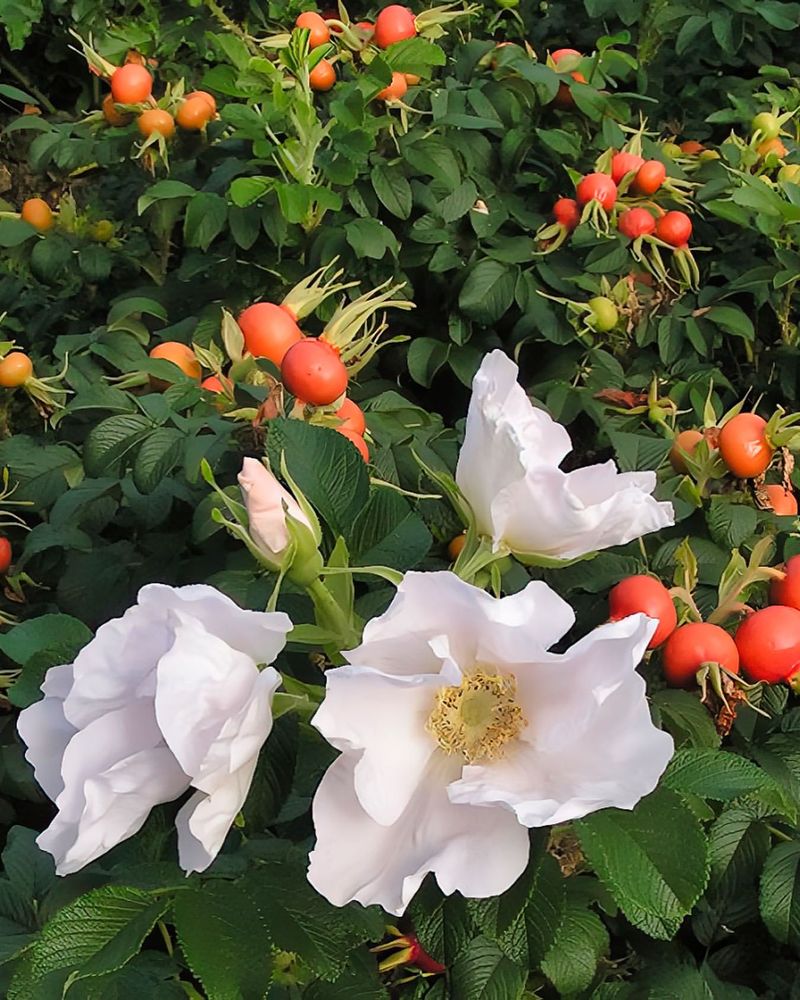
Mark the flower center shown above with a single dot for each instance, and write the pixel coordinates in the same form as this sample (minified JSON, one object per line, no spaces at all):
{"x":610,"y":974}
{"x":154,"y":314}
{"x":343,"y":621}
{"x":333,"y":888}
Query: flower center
{"x":478,"y":717}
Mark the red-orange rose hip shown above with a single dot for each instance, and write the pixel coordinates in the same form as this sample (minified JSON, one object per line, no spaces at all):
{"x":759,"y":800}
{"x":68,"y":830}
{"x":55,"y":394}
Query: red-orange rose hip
{"x":648,"y":596}
{"x":5,"y":555}
{"x":393,"y":24}
{"x":313,"y":371}
{"x":787,"y":590}
{"x":769,"y":644}
{"x":744,"y":447}
{"x":693,"y":645}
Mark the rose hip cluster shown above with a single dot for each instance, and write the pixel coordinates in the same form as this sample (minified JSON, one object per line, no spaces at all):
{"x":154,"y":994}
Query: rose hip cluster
{"x":765,"y":646}
{"x":625,"y":193}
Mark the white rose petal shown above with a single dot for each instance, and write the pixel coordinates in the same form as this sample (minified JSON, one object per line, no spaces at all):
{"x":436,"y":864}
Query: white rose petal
{"x":566,"y":734}
{"x":267,"y":504}
{"x":167,"y":698}
{"x":508,"y":470}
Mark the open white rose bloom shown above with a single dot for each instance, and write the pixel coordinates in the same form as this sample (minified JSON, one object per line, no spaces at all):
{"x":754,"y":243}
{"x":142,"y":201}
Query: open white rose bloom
{"x":508,"y":471}
{"x":458,"y":730}
{"x":166,"y":698}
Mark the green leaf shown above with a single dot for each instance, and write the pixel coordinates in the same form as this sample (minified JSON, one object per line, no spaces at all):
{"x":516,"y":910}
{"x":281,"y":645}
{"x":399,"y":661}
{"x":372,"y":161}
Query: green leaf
{"x":370,"y":238}
{"x":714,"y":774}
{"x":326,"y":468}
{"x":392,"y":188}
{"x":582,"y":941}
{"x":164,"y":191}
{"x":730,"y":524}
{"x":525,"y":920}
{"x":206,"y":216}
{"x":300,"y":920}
{"x":732,"y":320}
{"x":488,"y":291}
{"x":780,"y":894}
{"x":387,"y":532}
{"x":458,"y":202}
{"x":654,"y":878}
{"x":414,"y":55}
{"x":483,"y":972}
{"x":30,"y":637}
{"x":225,"y":940}
{"x":425,"y":357}
{"x":637,"y":452}
{"x":13,"y":232}
{"x":28,"y":867}
{"x":112,"y":441}
{"x":246,"y":191}
{"x":685,"y":718}
{"x":157,"y":456}
{"x":96,"y":933}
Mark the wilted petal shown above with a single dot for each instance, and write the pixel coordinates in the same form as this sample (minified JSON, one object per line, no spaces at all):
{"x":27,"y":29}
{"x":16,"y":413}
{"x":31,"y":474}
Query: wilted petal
{"x":590,"y":742}
{"x":267,"y":505}
{"x":114,"y":772}
{"x":477,"y":851}
{"x":46,"y":732}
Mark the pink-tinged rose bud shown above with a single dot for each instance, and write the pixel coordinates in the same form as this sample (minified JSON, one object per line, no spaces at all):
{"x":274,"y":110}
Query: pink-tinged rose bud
{"x":267,"y":504}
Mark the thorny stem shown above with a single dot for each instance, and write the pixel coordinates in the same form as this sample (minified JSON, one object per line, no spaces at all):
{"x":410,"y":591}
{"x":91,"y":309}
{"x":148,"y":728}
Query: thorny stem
{"x":21,"y":78}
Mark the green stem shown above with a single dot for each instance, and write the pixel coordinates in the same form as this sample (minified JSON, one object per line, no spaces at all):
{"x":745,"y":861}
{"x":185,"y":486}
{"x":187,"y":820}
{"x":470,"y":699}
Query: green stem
{"x":230,"y":24}
{"x":779,"y":834}
{"x":331,"y":617}
{"x":165,"y":935}
{"x":21,"y":78}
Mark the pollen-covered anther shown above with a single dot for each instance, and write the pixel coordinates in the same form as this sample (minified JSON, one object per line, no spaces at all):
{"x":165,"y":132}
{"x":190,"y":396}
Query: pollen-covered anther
{"x":478,"y":717}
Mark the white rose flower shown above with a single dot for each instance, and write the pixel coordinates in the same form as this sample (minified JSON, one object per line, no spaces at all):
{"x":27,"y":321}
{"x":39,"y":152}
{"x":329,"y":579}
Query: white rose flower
{"x":166,"y":698}
{"x":508,"y":471}
{"x":458,"y":730}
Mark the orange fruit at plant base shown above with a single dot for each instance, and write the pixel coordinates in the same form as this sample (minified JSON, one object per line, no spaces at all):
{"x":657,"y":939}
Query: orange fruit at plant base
{"x":396,"y":89}
{"x":15,"y":369}
{"x":319,"y":32}
{"x":194,"y":114}
{"x":269,"y":331}
{"x":37,"y":213}
{"x":180,"y":355}
{"x":744,"y":447}
{"x":456,"y":545}
{"x":5,"y":555}
{"x":783,"y":501}
{"x":692,"y":645}
{"x":112,"y":116}
{"x":155,"y":120}
{"x":131,"y":84}
{"x":357,"y":440}
{"x":686,"y":441}
{"x":352,"y":417}
{"x":208,"y":98}
{"x":323,"y":76}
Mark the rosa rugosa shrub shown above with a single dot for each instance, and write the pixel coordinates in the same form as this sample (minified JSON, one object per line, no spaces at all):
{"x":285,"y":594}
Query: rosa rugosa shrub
{"x":398,"y":425}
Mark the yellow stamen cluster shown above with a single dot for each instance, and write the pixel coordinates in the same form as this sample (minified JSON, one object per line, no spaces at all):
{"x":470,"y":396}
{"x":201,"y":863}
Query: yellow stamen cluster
{"x":477,"y":718}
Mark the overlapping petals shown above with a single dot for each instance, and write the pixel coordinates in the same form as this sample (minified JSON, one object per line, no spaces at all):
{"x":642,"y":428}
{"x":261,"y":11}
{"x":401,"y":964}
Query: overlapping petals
{"x":166,"y":698}
{"x":508,"y":470}
{"x":396,"y":805}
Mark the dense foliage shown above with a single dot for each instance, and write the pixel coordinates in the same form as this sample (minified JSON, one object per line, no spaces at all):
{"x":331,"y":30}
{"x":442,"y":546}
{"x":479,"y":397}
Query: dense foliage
{"x":121,"y":470}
